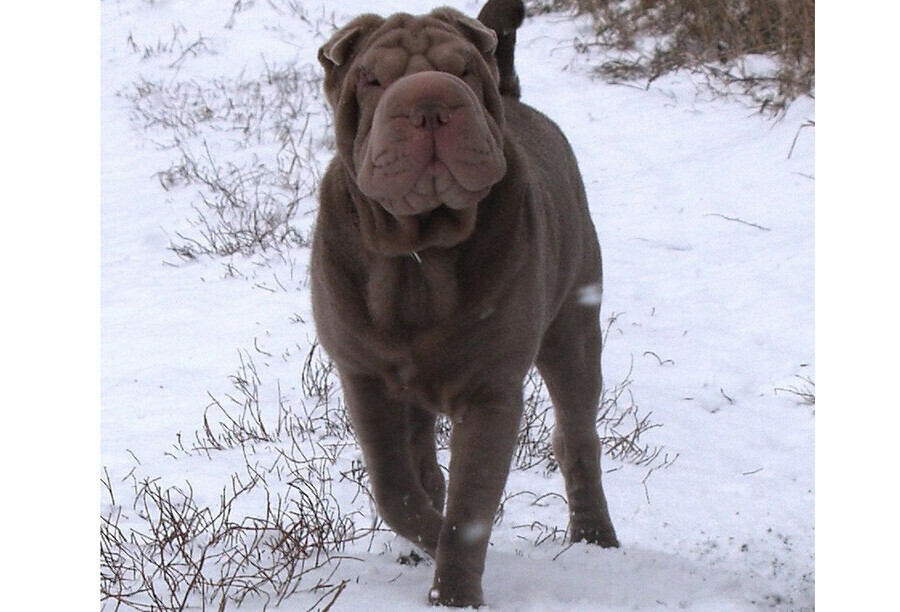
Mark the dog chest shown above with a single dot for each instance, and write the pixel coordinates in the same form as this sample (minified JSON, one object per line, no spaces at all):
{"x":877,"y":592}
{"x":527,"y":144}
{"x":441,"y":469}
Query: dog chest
{"x":412,"y":292}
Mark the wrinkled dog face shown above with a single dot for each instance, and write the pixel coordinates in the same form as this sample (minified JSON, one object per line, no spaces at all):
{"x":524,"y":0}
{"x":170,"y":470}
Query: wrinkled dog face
{"x":418,"y":115}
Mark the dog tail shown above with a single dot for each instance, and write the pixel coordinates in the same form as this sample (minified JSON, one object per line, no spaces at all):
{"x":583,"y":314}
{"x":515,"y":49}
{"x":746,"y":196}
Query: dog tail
{"x":504,"y":17}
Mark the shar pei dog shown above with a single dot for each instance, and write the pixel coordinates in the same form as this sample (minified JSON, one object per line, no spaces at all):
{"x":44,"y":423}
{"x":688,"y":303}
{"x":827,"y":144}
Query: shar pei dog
{"x":453,"y":250}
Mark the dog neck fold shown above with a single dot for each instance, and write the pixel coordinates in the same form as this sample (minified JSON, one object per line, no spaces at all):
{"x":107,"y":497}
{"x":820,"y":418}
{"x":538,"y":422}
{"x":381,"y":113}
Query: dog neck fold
{"x":393,"y":236}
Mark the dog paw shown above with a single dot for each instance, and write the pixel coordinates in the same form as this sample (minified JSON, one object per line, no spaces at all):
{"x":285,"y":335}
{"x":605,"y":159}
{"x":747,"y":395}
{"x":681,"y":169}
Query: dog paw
{"x":602,"y":535}
{"x":455,"y":597}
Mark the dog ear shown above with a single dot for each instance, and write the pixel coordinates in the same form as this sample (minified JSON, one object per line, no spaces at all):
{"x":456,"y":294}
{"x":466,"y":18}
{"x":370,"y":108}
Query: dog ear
{"x":335,"y":55}
{"x":484,"y":38}
{"x":342,"y":44}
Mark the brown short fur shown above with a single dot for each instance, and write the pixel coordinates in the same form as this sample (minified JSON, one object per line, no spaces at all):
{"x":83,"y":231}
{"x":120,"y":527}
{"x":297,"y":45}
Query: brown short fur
{"x":454,"y":250}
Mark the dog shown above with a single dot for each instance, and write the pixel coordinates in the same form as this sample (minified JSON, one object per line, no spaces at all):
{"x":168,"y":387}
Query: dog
{"x":453,"y":249}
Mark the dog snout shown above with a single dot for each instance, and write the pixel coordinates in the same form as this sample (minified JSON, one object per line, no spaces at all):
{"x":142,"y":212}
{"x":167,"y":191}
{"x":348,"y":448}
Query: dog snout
{"x":427,"y":98}
{"x":430,"y":115}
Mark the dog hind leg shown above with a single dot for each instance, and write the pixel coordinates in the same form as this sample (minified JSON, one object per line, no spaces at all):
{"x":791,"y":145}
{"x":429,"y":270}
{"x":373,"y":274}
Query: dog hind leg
{"x":569,"y":362}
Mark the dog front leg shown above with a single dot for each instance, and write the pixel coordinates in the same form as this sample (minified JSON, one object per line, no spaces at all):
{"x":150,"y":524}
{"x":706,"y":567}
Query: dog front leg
{"x":383,"y":430}
{"x":481,"y":448}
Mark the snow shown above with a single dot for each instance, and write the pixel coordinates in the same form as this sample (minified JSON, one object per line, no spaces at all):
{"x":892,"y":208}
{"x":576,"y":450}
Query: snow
{"x":705,"y":213}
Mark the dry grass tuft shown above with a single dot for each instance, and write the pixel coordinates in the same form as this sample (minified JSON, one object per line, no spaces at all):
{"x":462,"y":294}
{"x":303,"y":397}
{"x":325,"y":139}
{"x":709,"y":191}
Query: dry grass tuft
{"x":763,"y":49}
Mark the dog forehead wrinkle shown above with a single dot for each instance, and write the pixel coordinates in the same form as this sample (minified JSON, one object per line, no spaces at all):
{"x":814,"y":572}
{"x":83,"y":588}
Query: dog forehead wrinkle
{"x":447,"y":57}
{"x":417,"y":38}
{"x":401,"y":29}
{"x":418,"y":42}
{"x":421,"y":45}
{"x":418,"y":63}
{"x":391,"y":61}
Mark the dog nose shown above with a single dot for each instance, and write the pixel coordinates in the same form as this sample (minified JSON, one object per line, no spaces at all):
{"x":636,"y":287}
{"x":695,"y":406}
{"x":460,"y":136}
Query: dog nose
{"x":430,"y":115}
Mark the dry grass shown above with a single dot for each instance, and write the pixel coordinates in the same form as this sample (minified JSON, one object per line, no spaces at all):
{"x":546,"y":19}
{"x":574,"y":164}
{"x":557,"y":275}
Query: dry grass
{"x":275,"y":526}
{"x":804,"y":391}
{"x":246,"y":151}
{"x":282,"y":522}
{"x":763,"y":49}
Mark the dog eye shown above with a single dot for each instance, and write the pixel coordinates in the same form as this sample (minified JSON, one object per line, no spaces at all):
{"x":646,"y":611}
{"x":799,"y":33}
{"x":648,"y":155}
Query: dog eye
{"x":367,"y":79}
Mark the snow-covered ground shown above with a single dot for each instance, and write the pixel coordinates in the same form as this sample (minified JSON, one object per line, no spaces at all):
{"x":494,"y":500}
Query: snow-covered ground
{"x":705,"y":213}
